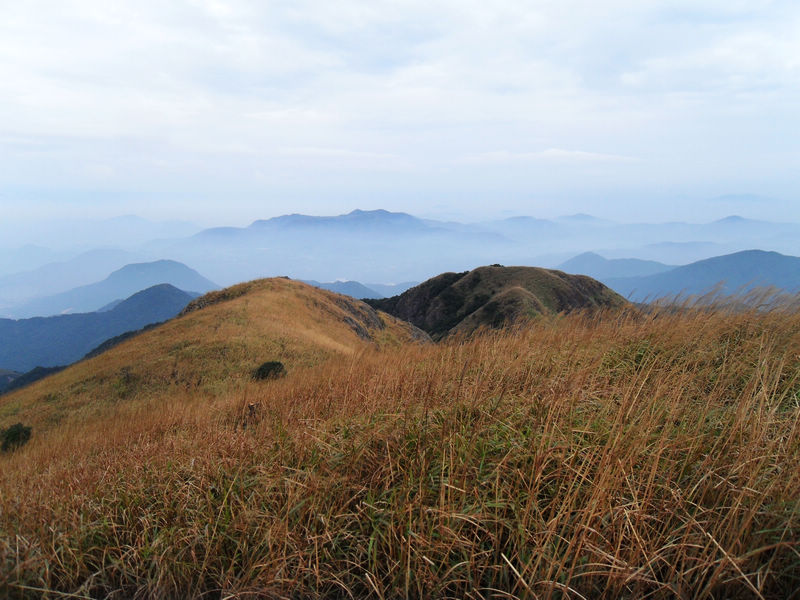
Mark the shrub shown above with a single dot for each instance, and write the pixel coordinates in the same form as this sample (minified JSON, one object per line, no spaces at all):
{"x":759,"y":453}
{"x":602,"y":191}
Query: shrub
{"x":272,"y":369}
{"x":14,"y":437}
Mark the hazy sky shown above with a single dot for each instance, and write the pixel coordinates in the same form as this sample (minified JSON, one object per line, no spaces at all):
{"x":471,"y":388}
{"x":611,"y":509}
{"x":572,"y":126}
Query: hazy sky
{"x":227,"y":111}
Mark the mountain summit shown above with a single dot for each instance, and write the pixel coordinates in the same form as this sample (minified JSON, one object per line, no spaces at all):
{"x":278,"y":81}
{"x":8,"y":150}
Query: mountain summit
{"x":492,"y":297}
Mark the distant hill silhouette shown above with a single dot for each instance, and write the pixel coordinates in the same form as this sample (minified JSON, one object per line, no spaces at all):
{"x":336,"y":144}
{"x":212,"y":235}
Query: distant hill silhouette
{"x":493,"y":296}
{"x":357,"y":220}
{"x":56,"y":277}
{"x":60,"y":340}
{"x":362,"y":245}
{"x":120,"y":284}
{"x":735,"y":272}
{"x":594,"y":265}
{"x":353,"y":289}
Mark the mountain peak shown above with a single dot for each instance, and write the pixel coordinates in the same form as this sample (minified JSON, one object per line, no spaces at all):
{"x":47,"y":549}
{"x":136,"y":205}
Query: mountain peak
{"x":493,"y":296}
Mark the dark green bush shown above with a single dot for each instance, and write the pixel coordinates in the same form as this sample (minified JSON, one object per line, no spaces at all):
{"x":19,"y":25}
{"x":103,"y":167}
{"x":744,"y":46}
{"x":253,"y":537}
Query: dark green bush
{"x":271,"y":369}
{"x":14,"y":437}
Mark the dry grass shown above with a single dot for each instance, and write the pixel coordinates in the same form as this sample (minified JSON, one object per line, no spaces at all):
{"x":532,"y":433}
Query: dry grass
{"x":615,"y":456}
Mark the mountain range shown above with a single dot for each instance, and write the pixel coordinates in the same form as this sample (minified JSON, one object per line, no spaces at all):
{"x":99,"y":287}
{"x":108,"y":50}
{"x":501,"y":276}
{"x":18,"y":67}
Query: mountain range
{"x":729,"y":274}
{"x":382,"y":246}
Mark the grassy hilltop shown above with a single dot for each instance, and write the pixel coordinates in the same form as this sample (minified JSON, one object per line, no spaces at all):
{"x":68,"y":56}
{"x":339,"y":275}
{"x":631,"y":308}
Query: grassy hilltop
{"x":603,"y":455}
{"x":208,"y":353}
{"x":494,"y":296}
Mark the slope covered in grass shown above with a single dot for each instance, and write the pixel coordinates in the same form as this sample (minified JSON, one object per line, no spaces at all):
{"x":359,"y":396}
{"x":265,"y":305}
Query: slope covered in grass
{"x":215,"y":344}
{"x":493,"y":297}
{"x":620,"y":455}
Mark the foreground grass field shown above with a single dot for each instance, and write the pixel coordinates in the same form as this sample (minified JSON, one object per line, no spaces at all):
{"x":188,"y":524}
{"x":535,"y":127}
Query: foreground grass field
{"x":622,"y":455}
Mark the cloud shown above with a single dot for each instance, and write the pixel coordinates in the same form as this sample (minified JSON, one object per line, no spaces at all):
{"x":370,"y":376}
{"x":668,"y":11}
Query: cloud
{"x":690,"y":93}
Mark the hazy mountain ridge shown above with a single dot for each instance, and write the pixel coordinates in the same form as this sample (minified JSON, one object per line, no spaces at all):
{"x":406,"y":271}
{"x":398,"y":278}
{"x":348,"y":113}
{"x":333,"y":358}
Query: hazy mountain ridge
{"x":63,"y":339}
{"x":384,"y":246}
{"x":353,"y":289}
{"x":57,"y":277}
{"x":594,"y":265}
{"x":494,"y":296}
{"x":122,"y":283}
{"x":733,"y":273}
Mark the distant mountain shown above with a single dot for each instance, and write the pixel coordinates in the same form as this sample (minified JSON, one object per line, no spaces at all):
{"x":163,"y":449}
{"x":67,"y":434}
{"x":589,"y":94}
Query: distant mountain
{"x":120,"y":284}
{"x":379,"y":245}
{"x":60,"y":340}
{"x":492,"y":297}
{"x":594,"y":265}
{"x":57,"y":277}
{"x":374,"y":245}
{"x":360,"y":221}
{"x":680,"y":253}
{"x":734,"y":272}
{"x":353,"y":289}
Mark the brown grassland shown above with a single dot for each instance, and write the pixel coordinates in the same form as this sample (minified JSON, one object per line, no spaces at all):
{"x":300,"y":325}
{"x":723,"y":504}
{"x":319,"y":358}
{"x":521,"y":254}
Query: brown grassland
{"x":620,"y":454}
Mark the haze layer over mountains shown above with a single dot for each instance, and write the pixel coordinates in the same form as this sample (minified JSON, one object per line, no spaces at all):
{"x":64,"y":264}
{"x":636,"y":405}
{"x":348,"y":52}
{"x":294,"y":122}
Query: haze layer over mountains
{"x":371,"y":247}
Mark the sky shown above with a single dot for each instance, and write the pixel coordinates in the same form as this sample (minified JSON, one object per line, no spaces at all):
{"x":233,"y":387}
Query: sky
{"x":222,"y":112}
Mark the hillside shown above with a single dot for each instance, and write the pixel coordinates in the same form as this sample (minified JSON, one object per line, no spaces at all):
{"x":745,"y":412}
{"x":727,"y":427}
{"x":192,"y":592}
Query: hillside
{"x":639,"y":456}
{"x":60,"y":340}
{"x":120,"y":284}
{"x":494,"y":296}
{"x":732,"y":273}
{"x":213,"y":345}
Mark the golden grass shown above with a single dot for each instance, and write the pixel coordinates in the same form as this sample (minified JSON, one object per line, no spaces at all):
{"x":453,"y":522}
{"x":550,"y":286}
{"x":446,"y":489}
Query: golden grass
{"x":615,"y":456}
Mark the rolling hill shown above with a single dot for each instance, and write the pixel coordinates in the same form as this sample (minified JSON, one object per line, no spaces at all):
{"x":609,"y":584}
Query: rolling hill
{"x":733,"y":273}
{"x":119,"y":284}
{"x":216,"y":342}
{"x":493,"y":296}
{"x":627,"y":454}
{"x":63,"y":339}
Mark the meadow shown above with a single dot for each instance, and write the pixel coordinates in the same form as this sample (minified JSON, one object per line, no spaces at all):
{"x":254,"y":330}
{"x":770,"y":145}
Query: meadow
{"x":618,"y":454}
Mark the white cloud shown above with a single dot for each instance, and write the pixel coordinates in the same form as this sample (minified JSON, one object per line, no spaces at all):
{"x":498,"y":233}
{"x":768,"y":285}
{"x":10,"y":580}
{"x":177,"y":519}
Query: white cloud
{"x":687,"y":92}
